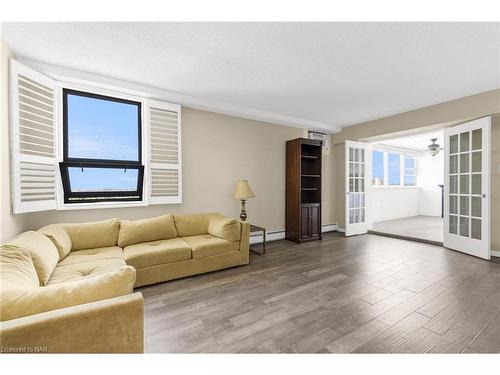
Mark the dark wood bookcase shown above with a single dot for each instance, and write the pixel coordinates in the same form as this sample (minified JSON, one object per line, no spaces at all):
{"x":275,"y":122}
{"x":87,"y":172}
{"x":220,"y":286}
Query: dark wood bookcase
{"x":303,"y":190}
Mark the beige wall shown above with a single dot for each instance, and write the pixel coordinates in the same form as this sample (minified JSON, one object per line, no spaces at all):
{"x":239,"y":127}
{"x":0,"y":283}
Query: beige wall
{"x":10,"y":224}
{"x":217,"y":151}
{"x":446,"y":114}
{"x":469,"y":107}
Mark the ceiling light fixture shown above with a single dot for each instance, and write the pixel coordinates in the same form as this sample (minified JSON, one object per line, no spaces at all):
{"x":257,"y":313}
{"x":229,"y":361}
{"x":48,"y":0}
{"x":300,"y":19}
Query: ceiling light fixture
{"x":434,"y":147}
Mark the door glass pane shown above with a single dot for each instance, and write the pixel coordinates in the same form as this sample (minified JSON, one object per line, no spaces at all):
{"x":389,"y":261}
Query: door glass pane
{"x":464,"y":184}
{"x":351,"y":170}
{"x":362,"y":155}
{"x":361,"y":170}
{"x":464,"y":205}
{"x":475,"y":206}
{"x":453,"y":224}
{"x":362,"y":200}
{"x":356,"y":185}
{"x":464,"y":163}
{"x":351,"y":200}
{"x":476,"y":161}
{"x":464,"y":142}
{"x":356,"y":154}
{"x":351,"y":216}
{"x":362,"y":215}
{"x":356,"y":170}
{"x":454,"y":164}
{"x":464,"y":226}
{"x":476,"y":184}
{"x":453,"y":184}
{"x":454,"y":144}
{"x":356,"y":200}
{"x":477,"y":139}
{"x":351,"y":184}
{"x":361,"y":184}
{"x":351,"y":154}
{"x":475,"y":228}
{"x":453,"y":204}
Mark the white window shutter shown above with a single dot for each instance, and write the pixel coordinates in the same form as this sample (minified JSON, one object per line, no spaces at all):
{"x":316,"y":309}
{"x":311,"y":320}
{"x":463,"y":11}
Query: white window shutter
{"x":165,"y":154}
{"x":33,"y":137}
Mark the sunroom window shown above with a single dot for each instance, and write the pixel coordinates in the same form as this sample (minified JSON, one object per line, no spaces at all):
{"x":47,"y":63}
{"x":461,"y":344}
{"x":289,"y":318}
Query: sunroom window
{"x":102,"y":152}
{"x":409,"y":173}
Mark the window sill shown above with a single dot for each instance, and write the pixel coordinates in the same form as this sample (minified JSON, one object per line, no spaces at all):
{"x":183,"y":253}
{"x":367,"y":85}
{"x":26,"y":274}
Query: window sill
{"x":394,"y":187}
{"x":99,"y":205}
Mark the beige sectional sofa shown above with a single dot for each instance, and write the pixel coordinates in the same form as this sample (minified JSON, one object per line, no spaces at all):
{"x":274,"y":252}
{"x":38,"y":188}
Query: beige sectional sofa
{"x":69,"y":287}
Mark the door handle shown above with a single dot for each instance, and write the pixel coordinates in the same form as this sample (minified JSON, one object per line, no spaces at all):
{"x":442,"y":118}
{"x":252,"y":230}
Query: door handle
{"x":483,"y":195}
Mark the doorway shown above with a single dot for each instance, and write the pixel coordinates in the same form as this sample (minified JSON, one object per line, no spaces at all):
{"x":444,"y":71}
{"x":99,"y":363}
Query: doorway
{"x":407,"y":187}
{"x":442,"y":195}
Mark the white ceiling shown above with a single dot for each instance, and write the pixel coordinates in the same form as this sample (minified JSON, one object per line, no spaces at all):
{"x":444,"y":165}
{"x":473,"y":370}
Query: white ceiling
{"x":324,"y":75}
{"x":418,"y":142}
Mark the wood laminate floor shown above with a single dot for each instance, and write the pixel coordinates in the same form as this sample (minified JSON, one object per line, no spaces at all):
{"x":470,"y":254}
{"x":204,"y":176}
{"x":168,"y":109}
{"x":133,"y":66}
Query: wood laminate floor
{"x":362,"y":294}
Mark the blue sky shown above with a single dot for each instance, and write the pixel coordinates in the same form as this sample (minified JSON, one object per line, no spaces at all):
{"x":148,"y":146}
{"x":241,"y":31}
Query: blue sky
{"x":394,"y":169}
{"x":99,"y":179}
{"x":378,"y":164}
{"x":102,"y":129}
{"x":393,"y":165}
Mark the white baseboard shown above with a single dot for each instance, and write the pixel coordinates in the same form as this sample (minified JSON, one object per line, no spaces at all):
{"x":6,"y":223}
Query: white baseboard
{"x":280,"y":234}
{"x":495,"y":253}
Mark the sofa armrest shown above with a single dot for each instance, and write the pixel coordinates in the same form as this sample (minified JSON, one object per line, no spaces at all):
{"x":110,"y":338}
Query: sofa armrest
{"x":114,"y":325}
{"x":245,"y":242}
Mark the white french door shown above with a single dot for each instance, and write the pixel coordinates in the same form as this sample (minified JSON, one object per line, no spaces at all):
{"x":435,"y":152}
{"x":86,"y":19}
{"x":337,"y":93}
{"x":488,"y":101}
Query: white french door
{"x":358,"y":182}
{"x":467,"y":187}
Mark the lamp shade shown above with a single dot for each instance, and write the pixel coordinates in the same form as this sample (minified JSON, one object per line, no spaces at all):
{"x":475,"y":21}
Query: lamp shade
{"x":243,"y":190}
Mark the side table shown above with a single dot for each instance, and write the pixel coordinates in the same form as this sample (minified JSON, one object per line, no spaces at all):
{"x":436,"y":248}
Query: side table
{"x":256,"y":228}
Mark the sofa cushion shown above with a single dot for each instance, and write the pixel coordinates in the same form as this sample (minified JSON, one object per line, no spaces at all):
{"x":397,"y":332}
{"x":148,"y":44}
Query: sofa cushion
{"x":84,"y":270}
{"x":19,"y":302}
{"x":192,"y":225}
{"x":42,"y":250}
{"x":17,"y":269}
{"x":59,"y":237}
{"x":94,"y":234}
{"x":224,"y":227}
{"x":157,"y":252}
{"x":144,"y":230}
{"x":205,"y":245}
{"x":92,"y":255}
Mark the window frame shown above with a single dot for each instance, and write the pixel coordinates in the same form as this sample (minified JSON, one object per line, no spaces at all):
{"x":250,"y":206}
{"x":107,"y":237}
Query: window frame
{"x":414,"y":170}
{"x":124,"y":197}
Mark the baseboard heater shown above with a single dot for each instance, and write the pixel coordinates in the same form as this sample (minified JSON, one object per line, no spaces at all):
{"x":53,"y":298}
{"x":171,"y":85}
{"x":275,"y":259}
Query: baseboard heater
{"x":280,"y":234}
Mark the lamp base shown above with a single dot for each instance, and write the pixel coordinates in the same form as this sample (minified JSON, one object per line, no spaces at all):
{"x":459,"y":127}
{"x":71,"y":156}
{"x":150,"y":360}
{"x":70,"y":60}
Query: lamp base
{"x":243,"y":214}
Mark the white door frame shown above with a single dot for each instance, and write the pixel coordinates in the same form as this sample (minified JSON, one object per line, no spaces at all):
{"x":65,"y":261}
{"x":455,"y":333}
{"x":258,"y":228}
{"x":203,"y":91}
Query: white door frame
{"x":480,"y":248}
{"x":365,"y":225}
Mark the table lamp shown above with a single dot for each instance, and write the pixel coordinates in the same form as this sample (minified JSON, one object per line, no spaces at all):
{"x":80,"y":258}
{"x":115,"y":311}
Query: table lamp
{"x":243,"y":192}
